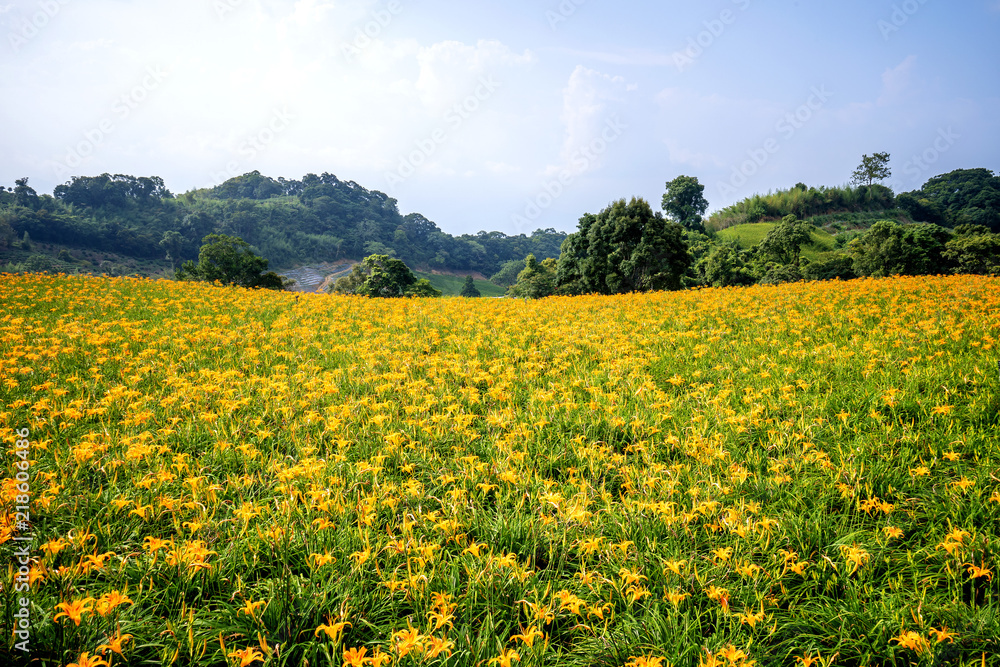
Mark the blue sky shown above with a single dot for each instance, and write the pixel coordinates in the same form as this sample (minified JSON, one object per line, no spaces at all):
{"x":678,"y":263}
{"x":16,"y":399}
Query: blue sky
{"x":504,"y":116}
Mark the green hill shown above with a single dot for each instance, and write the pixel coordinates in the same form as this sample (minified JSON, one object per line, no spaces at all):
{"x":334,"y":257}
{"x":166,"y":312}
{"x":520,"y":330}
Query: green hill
{"x":452,"y":285}
{"x":750,"y":235}
{"x":291,"y":223}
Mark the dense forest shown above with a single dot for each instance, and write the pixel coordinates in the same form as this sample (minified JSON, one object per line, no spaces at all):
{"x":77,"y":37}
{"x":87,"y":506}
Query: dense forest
{"x":289,"y":222}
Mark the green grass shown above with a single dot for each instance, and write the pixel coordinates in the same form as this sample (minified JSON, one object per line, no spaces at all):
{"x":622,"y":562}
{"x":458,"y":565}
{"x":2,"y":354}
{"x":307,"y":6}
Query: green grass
{"x":452,"y":285}
{"x":747,"y":236}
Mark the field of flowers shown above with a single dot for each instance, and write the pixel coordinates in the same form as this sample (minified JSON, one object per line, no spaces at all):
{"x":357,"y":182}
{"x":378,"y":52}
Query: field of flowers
{"x":797,"y":475}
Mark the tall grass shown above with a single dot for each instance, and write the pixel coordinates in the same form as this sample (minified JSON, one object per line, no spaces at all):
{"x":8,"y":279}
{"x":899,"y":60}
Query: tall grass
{"x":803,"y":203}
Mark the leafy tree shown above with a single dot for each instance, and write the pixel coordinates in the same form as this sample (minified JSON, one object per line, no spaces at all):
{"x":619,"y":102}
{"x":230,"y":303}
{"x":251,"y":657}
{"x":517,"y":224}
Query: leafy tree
{"x":469,"y":289}
{"x":974,"y":249}
{"x":837,"y":266}
{"x":967,"y":196}
{"x":388,"y":277}
{"x":352,"y":282}
{"x":569,"y":267}
{"x":507,"y":275}
{"x":536,"y":280}
{"x":423,"y":288}
{"x":920,"y":208}
{"x":888,"y":248}
{"x":785,"y":240}
{"x":781,"y":273}
{"x":26,"y":242}
{"x":231,"y":261}
{"x":119,"y":191}
{"x":6,"y":231}
{"x":173,"y":244}
{"x":684,"y":202}
{"x":872,"y":169}
{"x":724,"y":266}
{"x":24,"y":194}
{"x":624,"y":248}
{"x":249,"y":186}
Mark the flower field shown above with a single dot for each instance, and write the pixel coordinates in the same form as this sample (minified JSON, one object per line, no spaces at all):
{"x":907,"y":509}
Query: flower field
{"x":798,"y":475}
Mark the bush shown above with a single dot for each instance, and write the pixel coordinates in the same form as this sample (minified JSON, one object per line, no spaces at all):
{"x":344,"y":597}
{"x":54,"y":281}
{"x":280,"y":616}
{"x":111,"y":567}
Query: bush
{"x":829,"y":268}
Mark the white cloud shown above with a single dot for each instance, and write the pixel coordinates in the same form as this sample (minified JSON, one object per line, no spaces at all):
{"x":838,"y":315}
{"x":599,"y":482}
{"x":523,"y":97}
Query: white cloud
{"x":590,"y":99}
{"x":711,"y":130}
{"x":450,"y":70}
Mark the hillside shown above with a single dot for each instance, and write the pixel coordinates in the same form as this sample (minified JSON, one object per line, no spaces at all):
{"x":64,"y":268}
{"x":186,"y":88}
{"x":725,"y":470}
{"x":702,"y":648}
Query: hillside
{"x":292,"y":223}
{"x":750,"y":235}
{"x":963,"y":196}
{"x":451,"y":284}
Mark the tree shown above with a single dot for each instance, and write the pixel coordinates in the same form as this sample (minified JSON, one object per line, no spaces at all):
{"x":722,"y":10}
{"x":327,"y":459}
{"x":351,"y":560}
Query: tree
{"x":785,"y":240}
{"x":832,"y":267}
{"x":469,"y":289}
{"x":684,"y":202}
{"x":24,"y":194}
{"x":966,"y":196}
{"x":872,"y":169}
{"x":381,"y":276}
{"x":6,"y":231}
{"x":352,"y":282}
{"x":920,"y":208}
{"x":888,"y":248}
{"x":537,"y":280}
{"x":624,"y":248}
{"x":423,"y":288}
{"x":231,"y":261}
{"x":974,"y":250}
{"x":388,"y":277}
{"x":507,"y":275}
{"x":724,"y":266}
{"x":173,"y":244}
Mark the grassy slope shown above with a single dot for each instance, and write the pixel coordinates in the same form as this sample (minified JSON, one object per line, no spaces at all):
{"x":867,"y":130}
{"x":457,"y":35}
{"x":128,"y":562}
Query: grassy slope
{"x":452,"y":285}
{"x":750,"y":235}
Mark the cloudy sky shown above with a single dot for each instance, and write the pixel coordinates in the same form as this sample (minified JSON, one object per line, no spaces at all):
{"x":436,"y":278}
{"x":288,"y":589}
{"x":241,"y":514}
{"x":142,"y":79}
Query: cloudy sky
{"x":502,"y":116}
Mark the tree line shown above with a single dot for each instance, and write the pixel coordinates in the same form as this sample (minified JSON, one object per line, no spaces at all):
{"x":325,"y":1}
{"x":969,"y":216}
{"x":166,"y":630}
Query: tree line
{"x":949,"y":226}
